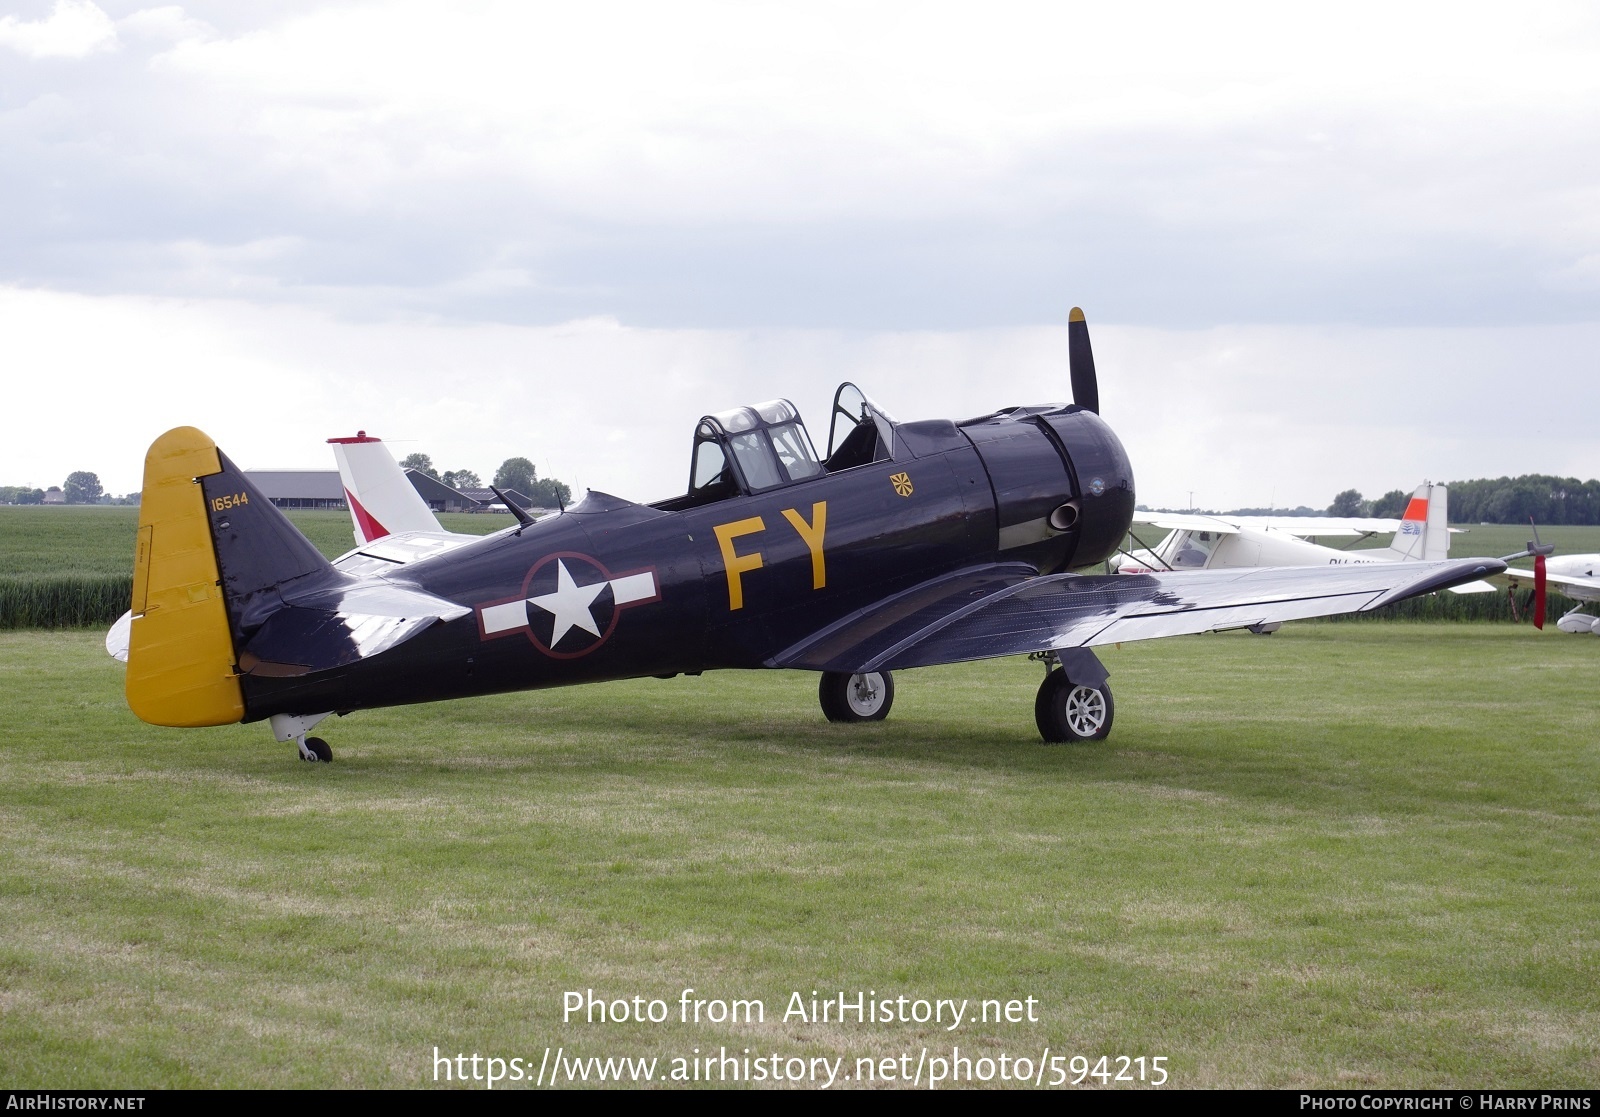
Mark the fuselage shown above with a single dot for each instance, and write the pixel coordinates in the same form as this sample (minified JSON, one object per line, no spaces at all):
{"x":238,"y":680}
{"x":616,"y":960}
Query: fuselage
{"x":610,"y":589}
{"x":1245,"y":547}
{"x":1580,"y":575}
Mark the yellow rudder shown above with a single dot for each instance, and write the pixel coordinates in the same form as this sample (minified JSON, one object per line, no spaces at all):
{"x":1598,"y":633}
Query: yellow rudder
{"x":180,"y":650}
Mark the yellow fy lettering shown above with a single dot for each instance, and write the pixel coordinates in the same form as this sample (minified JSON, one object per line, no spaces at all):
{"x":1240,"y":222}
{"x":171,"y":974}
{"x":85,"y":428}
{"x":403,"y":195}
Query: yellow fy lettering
{"x":735,"y":565}
{"x":811,"y":535}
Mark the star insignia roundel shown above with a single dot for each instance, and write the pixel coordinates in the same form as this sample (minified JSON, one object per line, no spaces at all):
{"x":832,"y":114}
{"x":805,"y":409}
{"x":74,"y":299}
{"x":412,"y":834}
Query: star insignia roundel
{"x":568,"y":605}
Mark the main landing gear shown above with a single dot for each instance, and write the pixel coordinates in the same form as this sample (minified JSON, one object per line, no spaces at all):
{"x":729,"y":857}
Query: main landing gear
{"x":295,"y":727}
{"x":856,"y":697}
{"x":1074,"y":701}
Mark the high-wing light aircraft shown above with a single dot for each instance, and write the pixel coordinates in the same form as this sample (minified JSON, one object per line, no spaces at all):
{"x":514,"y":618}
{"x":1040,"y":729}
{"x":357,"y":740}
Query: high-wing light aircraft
{"x":1211,"y":542}
{"x":907,"y":544}
{"x":1579,"y":578}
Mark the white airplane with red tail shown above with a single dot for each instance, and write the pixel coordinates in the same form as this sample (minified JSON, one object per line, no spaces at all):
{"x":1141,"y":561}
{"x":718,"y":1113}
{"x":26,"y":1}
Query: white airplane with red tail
{"x":1208,"y":542}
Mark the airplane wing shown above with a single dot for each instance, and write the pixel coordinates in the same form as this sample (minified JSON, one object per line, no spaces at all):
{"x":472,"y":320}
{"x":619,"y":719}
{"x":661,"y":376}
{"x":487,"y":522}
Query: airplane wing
{"x":1183,"y":521}
{"x":397,"y":550}
{"x":1516,"y":574}
{"x":1302,"y":526}
{"x":1002,"y":610}
{"x":1320,"y":526}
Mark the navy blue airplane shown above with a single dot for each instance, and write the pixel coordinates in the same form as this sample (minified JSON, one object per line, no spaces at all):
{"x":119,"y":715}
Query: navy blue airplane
{"x":905,"y":545}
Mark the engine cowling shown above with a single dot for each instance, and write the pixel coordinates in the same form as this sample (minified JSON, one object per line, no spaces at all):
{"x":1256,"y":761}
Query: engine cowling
{"x":1063,"y":486}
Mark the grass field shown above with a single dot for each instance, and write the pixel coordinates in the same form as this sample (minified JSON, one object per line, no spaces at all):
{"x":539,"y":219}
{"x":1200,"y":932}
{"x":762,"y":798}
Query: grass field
{"x":1342,"y":855}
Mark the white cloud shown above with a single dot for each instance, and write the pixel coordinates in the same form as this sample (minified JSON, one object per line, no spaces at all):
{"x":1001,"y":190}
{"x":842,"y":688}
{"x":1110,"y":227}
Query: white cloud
{"x":168,"y":24}
{"x":835,"y":164}
{"x":74,"y":29}
{"x":1242,"y":416}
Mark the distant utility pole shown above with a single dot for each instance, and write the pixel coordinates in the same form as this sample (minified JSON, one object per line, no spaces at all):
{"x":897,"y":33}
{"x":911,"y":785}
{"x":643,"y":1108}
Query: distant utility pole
{"x":1191,"y":500}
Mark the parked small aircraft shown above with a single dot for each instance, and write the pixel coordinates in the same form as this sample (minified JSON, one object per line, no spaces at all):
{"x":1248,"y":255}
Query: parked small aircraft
{"x":1579,"y":578}
{"x":1211,"y":542}
{"x":907,"y":544}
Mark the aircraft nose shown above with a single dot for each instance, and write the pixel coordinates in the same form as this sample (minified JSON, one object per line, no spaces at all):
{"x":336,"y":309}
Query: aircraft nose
{"x":1103,"y":479}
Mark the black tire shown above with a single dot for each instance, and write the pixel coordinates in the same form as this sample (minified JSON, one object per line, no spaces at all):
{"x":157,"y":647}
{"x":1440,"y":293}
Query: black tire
{"x":1069,"y":711}
{"x":320,"y":747}
{"x":856,"y":697}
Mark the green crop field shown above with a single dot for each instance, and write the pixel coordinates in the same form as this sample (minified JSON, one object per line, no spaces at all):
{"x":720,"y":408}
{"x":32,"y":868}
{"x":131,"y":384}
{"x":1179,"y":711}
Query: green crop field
{"x":93,"y":539}
{"x":67,"y":567}
{"x":1344,"y":855}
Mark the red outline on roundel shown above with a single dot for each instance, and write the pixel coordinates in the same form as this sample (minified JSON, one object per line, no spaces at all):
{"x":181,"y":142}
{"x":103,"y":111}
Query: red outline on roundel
{"x":528,"y":578}
{"x":592,"y":561}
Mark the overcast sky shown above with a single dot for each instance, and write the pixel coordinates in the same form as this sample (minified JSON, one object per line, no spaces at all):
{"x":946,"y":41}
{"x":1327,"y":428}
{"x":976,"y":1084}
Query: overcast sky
{"x":1353,"y":247}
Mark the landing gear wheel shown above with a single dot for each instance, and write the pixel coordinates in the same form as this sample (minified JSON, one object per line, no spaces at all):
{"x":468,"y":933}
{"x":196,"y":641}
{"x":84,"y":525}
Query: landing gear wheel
{"x":1069,"y":711}
{"x":856,"y":697}
{"x":315,"y":748}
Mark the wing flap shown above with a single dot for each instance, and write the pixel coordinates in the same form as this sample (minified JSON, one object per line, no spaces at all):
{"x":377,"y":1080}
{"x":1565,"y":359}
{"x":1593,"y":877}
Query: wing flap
{"x":1078,"y":611}
{"x":886,"y":624}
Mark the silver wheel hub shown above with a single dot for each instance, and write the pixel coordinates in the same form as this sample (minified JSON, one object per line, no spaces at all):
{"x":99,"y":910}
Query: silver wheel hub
{"x":864,"y":693}
{"x":1086,"y":710}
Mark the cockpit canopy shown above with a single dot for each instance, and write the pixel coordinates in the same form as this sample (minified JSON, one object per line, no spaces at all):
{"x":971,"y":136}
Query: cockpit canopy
{"x":753,"y":449}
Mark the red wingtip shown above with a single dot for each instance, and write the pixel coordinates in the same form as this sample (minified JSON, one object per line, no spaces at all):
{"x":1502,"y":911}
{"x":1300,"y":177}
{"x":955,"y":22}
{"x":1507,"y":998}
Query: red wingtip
{"x":1538,"y":591}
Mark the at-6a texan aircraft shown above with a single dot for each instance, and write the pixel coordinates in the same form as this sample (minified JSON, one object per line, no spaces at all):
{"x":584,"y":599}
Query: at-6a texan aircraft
{"x":907,"y":544}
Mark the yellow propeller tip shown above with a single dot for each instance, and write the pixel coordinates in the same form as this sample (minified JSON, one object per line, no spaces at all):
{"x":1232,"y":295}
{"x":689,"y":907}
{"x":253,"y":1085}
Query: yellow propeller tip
{"x":1075,"y":316}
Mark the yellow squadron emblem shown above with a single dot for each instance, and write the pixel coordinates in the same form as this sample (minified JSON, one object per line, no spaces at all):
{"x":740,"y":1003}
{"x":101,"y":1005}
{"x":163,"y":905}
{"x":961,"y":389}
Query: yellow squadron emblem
{"x":901,"y":483}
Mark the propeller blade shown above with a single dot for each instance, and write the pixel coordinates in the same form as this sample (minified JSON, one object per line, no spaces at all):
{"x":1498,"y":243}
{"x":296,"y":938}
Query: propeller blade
{"x":1538,"y":591}
{"x":1080,"y":357}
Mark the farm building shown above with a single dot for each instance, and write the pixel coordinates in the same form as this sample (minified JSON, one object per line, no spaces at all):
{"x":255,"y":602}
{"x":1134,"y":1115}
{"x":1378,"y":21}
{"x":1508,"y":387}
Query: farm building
{"x":299,"y":488}
{"x":322,"y":488}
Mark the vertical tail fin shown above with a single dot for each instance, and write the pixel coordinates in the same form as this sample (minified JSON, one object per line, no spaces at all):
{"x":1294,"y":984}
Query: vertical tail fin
{"x":180,"y":646}
{"x":1424,"y":533}
{"x":382,"y":501}
{"x":214,"y":558}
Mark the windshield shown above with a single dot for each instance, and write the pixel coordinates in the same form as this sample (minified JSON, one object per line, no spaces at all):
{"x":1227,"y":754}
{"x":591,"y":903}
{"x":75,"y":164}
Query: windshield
{"x":709,"y":465}
{"x":1192,"y":549}
{"x":794,"y":451}
{"x":755,"y":459}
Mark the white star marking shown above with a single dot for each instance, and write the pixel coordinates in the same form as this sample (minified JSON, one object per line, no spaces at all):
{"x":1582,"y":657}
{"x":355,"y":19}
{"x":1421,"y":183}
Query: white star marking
{"x":569,"y":604}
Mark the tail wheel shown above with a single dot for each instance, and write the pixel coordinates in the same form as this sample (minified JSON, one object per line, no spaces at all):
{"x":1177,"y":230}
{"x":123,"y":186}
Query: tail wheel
{"x":1069,"y":711}
{"x":314,"y":749}
{"x":856,"y":697}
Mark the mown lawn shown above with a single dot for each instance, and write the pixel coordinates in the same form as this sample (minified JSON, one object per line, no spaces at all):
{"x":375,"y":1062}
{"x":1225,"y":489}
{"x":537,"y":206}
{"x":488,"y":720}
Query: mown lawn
{"x":1339,"y":855}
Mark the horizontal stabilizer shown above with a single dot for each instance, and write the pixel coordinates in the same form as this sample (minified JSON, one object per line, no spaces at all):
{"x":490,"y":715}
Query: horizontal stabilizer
{"x":340,"y":625}
{"x":953,"y":623}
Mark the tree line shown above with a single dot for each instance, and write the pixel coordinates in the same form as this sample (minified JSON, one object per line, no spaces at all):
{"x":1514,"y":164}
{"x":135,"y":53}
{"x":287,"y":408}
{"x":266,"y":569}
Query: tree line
{"x":1503,"y":500}
{"x":516,"y":474}
{"x":80,"y":487}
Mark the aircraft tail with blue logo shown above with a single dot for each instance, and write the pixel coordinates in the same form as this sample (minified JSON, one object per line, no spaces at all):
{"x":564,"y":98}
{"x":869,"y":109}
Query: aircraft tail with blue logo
{"x":1424,"y":534}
